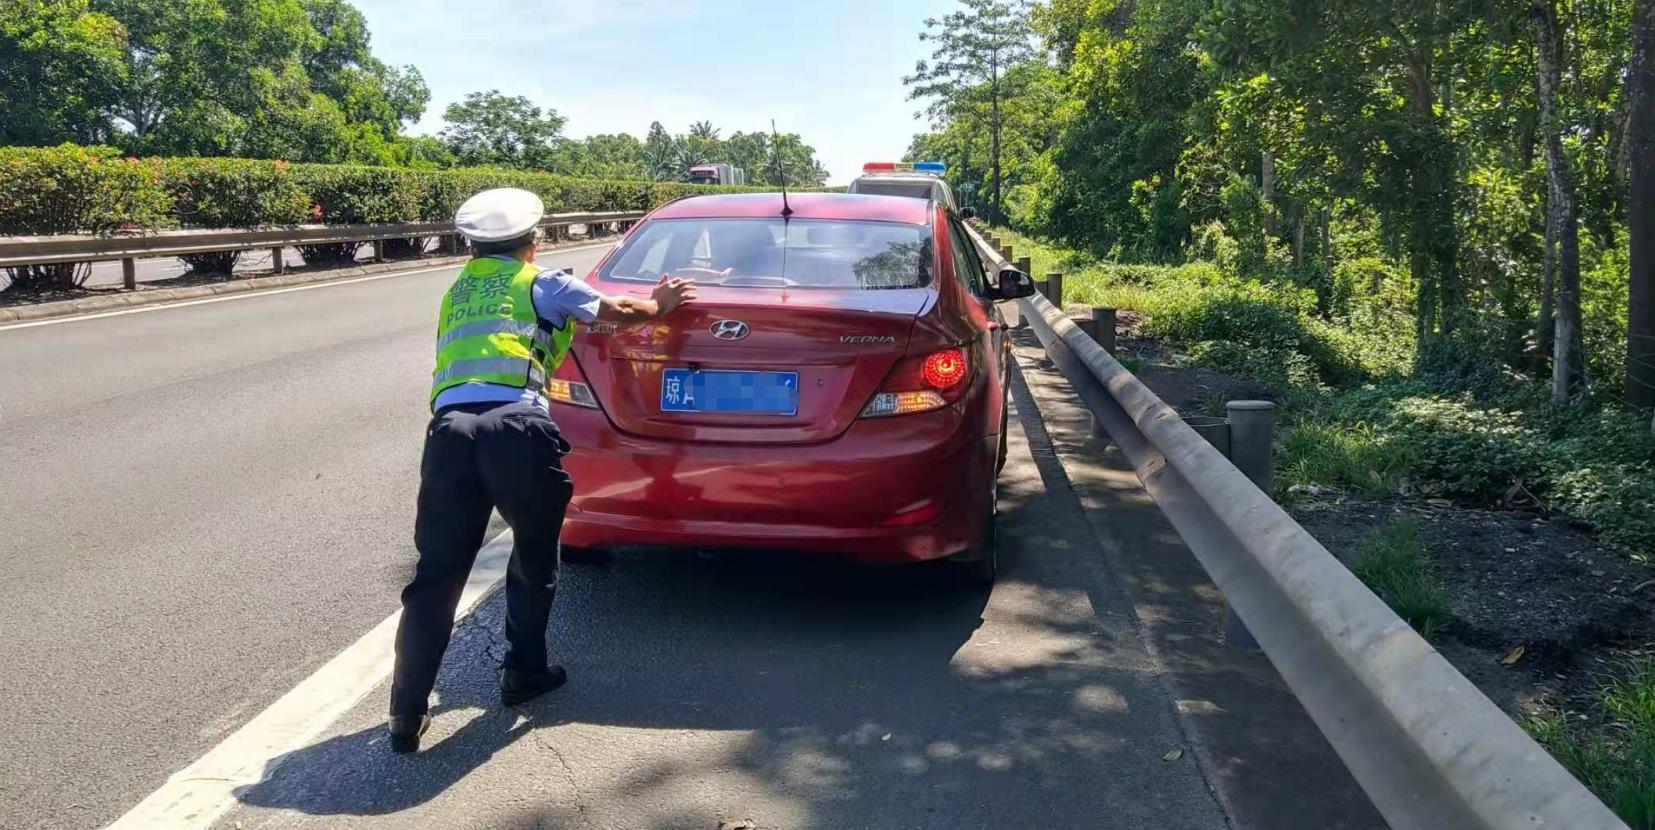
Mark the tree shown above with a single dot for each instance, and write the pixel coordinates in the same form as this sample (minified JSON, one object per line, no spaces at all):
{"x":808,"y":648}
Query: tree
{"x":619,"y":156}
{"x":341,"y":66}
{"x":967,"y":72}
{"x":704,"y":129}
{"x":1640,"y":97}
{"x":1370,"y":79}
{"x":59,"y":61}
{"x":664,"y":156}
{"x":263,"y":78}
{"x":1568,"y":360}
{"x":507,"y":130}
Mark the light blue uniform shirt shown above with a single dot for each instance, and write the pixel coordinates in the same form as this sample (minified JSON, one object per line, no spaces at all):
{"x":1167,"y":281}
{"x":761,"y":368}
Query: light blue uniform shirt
{"x":558,"y":297}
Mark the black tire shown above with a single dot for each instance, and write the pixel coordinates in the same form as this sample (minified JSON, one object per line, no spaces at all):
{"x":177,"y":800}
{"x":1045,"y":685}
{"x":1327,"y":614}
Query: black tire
{"x":1000,"y":460}
{"x":585,"y":556}
{"x":978,"y":567}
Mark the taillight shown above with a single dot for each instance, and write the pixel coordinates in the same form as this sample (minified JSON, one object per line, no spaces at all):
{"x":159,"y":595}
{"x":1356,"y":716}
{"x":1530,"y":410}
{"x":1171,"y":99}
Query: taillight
{"x":568,"y":385}
{"x":921,"y":384}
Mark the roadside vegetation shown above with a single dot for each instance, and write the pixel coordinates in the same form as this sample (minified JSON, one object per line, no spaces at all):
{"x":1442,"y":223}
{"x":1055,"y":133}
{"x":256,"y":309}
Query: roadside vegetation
{"x":299,"y":80}
{"x":124,"y":115}
{"x":1366,"y":411}
{"x":75,"y":189}
{"x":1611,"y":747}
{"x":1393,"y":563}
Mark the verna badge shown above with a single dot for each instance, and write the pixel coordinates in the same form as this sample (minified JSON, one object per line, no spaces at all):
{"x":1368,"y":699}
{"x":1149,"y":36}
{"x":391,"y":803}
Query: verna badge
{"x":729,"y":329}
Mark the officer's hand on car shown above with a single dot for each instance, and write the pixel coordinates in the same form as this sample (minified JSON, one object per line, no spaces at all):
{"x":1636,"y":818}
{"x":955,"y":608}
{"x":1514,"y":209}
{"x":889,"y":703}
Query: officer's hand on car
{"x":671,"y":292}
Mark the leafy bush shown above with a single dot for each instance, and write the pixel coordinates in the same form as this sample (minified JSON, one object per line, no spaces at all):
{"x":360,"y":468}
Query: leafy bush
{"x":45,"y":190}
{"x":72,"y":189}
{"x":235,"y":193}
{"x":1393,"y":563}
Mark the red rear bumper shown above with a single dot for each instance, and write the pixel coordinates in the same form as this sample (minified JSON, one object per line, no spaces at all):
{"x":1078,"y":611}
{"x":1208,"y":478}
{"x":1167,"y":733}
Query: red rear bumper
{"x":897,"y":489}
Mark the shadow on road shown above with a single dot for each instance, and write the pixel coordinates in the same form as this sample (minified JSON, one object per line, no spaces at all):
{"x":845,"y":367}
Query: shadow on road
{"x":799,"y":695}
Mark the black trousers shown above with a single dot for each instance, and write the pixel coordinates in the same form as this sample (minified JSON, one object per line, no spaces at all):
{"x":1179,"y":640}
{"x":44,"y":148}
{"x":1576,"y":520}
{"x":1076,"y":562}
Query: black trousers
{"x":478,"y":458}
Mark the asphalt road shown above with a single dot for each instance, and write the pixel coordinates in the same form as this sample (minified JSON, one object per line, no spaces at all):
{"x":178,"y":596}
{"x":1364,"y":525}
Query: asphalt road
{"x":797,"y":697}
{"x":198,"y":506}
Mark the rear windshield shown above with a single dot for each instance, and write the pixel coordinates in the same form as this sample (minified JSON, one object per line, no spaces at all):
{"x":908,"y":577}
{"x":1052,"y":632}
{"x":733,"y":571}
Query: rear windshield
{"x":772,"y":253}
{"x":913,"y":190}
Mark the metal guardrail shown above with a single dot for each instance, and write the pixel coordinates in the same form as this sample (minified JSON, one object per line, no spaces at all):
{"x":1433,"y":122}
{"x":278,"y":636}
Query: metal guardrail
{"x":1429,"y":749}
{"x":18,"y":251}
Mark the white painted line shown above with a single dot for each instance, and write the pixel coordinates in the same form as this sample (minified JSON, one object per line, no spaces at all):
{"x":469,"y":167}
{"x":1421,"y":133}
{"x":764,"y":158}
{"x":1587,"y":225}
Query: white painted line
{"x":194,"y":797}
{"x":266,"y":292}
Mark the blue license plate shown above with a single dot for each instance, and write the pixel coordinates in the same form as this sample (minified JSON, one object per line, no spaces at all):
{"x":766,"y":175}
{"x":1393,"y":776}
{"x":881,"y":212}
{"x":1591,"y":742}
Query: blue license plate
{"x":718,"y":390}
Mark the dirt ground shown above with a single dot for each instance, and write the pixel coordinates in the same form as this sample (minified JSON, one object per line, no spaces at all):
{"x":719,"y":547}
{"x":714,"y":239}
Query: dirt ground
{"x":1542,"y":613}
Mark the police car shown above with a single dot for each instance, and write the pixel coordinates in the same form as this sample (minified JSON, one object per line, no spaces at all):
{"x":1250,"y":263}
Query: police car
{"x":917,"y":180}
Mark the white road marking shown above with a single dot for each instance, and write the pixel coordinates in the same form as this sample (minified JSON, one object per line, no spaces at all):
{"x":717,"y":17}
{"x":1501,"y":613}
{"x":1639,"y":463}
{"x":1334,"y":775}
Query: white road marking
{"x":265,"y":292}
{"x":194,"y":797}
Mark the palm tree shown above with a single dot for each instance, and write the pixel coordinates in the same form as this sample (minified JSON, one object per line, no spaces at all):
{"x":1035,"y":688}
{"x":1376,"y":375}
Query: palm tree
{"x":704,"y":129}
{"x":666,"y":161}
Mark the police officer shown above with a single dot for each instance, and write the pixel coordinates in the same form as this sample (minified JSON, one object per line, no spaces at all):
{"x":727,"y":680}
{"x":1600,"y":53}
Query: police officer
{"x":504,"y":327}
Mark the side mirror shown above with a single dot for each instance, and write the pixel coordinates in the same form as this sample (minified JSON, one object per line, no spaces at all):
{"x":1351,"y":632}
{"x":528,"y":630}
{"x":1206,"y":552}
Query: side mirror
{"x":1015,"y":284}
{"x":968,"y":213}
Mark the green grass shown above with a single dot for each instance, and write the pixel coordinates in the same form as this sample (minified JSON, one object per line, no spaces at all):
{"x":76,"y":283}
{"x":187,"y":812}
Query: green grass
{"x":1394,"y":564}
{"x":1351,"y":457}
{"x":1612,"y":749}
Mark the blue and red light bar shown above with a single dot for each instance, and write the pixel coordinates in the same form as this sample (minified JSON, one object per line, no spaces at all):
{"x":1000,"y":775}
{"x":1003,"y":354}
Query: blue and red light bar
{"x":935,"y":168}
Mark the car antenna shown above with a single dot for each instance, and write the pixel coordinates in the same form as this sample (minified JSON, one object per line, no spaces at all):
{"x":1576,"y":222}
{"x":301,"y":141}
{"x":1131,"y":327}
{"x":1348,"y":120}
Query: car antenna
{"x":781,"y":170}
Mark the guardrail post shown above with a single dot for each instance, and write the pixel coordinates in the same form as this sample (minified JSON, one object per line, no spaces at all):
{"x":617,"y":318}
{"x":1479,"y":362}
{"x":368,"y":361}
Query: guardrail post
{"x":379,"y":250}
{"x":1220,"y":432}
{"x":276,"y":263}
{"x":1005,"y":252}
{"x":1054,"y":288}
{"x":1215,"y":430}
{"x":1103,"y":328}
{"x":1252,"y":429}
{"x":1251,"y":434}
{"x":129,"y":273}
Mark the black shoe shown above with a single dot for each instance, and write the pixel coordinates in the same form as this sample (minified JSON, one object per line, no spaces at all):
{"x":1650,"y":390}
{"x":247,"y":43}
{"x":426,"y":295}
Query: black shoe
{"x":406,"y":731}
{"x":518,"y":687}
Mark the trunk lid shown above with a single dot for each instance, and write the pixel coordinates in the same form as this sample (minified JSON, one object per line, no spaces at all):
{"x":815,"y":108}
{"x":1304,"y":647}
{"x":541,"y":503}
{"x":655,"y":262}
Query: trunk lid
{"x":841,"y":344}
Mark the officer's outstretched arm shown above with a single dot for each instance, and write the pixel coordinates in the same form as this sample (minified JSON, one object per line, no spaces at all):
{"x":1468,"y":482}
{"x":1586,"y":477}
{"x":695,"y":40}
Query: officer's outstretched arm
{"x":669,"y":293}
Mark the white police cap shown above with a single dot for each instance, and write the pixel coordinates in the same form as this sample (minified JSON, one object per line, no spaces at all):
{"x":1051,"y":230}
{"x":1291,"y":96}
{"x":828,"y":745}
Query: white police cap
{"x":499,"y":214}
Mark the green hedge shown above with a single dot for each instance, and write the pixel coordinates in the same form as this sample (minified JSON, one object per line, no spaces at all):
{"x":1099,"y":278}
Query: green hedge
{"x":74,"y":189}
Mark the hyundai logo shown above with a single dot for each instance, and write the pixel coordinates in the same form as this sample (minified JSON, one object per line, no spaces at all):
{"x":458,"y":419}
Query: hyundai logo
{"x":729,"y":329}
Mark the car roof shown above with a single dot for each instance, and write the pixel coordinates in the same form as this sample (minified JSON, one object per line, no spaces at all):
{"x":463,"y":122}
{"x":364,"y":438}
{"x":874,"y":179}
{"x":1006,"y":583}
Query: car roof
{"x":805,"y":206}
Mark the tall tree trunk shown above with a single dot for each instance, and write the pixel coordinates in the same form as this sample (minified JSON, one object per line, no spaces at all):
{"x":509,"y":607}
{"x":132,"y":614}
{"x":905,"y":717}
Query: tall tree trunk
{"x":1640,"y":146}
{"x":1298,"y":239}
{"x":1568,"y":362}
{"x":1327,"y":244}
{"x":1545,"y":324}
{"x":1267,"y":183}
{"x":994,"y":151}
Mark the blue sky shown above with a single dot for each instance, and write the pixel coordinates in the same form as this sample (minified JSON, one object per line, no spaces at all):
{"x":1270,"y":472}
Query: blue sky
{"x":830,"y":70}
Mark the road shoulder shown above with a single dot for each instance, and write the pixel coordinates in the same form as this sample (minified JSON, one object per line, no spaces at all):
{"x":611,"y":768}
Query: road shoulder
{"x":1268,"y":763}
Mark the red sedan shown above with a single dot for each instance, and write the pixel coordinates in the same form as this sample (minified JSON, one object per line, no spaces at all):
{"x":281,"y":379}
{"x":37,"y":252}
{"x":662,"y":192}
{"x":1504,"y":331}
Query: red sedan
{"x":839,"y":386}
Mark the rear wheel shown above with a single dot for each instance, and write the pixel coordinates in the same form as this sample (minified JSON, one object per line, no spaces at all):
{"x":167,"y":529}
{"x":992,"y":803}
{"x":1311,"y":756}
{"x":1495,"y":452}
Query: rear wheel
{"x":1000,"y":460}
{"x":977,"y":567}
{"x":584,"y":556}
